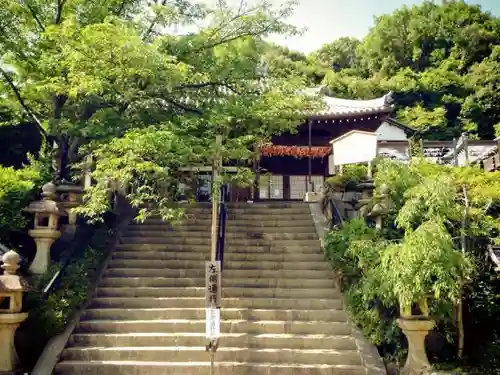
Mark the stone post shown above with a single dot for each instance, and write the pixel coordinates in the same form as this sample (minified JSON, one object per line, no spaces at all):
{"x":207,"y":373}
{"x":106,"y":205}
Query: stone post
{"x":12,"y":287}
{"x":415,"y":331}
{"x":45,"y":231}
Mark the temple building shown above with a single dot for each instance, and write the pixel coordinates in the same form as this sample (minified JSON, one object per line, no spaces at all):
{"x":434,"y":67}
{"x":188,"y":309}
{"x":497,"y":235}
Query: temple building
{"x":293,"y":164}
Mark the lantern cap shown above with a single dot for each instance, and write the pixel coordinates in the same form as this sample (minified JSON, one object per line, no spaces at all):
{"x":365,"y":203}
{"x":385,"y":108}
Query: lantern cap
{"x":10,"y":281}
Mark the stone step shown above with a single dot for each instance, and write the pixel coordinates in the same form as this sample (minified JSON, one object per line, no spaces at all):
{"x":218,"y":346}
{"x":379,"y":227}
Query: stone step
{"x":269,"y":248}
{"x":227,"y":292}
{"x":255,"y":220}
{"x":260,"y":210}
{"x":230,"y":227}
{"x":270,"y":216}
{"x":235,"y":340}
{"x":227,"y":274}
{"x":243,"y":234}
{"x":199,"y":302}
{"x":198,"y":354}
{"x":228,"y":256}
{"x":258,"y":283}
{"x":232,"y":213}
{"x":207,"y":241}
{"x":228,"y":265}
{"x":228,"y":314}
{"x":226,"y":326}
{"x":200,"y":368}
{"x":277,"y":205}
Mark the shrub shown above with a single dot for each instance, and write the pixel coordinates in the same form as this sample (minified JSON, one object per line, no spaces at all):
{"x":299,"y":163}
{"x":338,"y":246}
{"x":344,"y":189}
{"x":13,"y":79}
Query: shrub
{"x":18,"y":187}
{"x":48,"y":318}
{"x":351,"y":175}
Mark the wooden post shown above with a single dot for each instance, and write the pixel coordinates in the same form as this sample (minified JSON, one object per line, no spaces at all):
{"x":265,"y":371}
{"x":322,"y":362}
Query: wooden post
{"x":217,"y":162}
{"x":256,"y":167}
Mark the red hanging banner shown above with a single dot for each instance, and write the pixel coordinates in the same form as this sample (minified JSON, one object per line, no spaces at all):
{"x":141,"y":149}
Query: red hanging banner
{"x":296,"y":151}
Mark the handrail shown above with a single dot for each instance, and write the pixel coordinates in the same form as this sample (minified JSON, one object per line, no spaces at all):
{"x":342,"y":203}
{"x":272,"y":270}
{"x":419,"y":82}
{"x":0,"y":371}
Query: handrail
{"x":79,"y":243}
{"x":336,"y":218}
{"x":221,"y":226}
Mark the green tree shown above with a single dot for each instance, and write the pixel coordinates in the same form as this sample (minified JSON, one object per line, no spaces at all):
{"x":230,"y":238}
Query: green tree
{"x":339,"y":54}
{"x":439,"y":59}
{"x":431,"y":246}
{"x":104,"y":75}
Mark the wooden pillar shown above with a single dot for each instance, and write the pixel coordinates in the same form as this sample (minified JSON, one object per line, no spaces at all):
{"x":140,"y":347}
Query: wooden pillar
{"x":256,"y":171}
{"x":286,"y":188}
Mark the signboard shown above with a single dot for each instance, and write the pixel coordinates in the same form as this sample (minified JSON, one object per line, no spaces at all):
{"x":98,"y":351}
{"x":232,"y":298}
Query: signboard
{"x":212,"y":323}
{"x":355,"y":146}
{"x":213,"y":284}
{"x":213,"y":299}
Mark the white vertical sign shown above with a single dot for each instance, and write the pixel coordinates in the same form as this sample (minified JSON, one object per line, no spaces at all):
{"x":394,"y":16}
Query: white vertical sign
{"x":212,"y":323}
{"x":213,"y":299}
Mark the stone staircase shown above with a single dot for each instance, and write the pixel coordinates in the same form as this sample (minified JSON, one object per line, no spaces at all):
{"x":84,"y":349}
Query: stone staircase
{"x":281,"y":311}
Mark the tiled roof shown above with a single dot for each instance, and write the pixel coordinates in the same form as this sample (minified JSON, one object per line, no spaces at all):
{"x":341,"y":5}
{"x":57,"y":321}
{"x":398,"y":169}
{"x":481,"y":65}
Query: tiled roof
{"x":349,"y":107}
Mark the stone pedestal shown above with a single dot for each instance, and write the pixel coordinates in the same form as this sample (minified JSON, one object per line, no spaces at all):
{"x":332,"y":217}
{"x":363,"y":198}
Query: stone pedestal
{"x":312,"y":197}
{"x":44,"y":238}
{"x":416,"y":331}
{"x":8,"y":326}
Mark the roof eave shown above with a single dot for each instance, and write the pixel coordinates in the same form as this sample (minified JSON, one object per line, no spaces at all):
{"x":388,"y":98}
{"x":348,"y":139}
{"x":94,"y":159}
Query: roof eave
{"x":337,"y":116}
{"x":402,"y":126}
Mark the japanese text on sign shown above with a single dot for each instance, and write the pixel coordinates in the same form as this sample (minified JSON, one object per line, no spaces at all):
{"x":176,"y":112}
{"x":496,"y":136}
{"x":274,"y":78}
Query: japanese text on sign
{"x":213,"y":284}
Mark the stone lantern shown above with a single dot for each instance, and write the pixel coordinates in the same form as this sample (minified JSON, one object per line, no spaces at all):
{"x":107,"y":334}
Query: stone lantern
{"x":416,"y":327}
{"x":12,"y":287}
{"x":47,"y":212}
{"x":382,"y":207}
{"x":416,"y":331}
{"x":70,"y":196}
{"x":363,"y":204}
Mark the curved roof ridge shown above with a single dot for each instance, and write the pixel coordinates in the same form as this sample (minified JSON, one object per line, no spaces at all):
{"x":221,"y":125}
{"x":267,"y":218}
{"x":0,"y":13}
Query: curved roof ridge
{"x":339,"y":106}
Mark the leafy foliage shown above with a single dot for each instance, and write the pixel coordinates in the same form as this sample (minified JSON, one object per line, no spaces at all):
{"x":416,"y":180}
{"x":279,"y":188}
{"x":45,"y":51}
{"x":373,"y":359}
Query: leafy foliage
{"x":419,"y":253}
{"x":439,"y":58}
{"x":103,"y":77}
{"x":18,"y":187}
{"x":352,"y":174}
{"x":48,"y":318}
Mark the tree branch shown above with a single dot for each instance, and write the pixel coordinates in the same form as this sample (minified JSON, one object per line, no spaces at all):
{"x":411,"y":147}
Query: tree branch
{"x":21,"y":101}
{"x":35,"y":16}
{"x":239,"y":14}
{"x":206,"y":84}
{"x":60,"y":6}
{"x":182,"y":106}
{"x":229,"y":39}
{"x":153,"y":23}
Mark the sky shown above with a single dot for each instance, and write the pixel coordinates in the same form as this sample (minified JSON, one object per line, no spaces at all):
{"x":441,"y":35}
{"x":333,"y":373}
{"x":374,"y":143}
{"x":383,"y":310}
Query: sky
{"x":327,"y":20}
